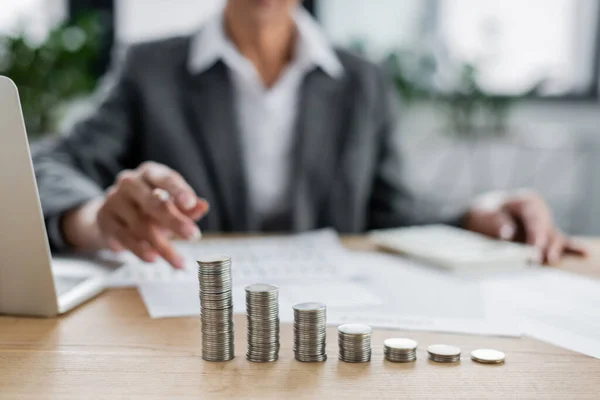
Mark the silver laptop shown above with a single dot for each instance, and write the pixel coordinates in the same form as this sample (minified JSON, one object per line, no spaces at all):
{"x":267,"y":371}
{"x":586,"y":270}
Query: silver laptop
{"x":29,"y":283}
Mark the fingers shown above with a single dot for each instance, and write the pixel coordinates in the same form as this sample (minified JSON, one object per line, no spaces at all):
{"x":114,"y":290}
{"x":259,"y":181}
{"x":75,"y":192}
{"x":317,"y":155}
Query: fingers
{"x":535,"y":218}
{"x":163,"y":246}
{"x":131,"y":229}
{"x":201,"y":209}
{"x":496,"y":223}
{"x":161,"y":209}
{"x":114,"y":245}
{"x":575,"y":248}
{"x":155,"y":204}
{"x":554,"y":250}
{"x":523,"y":212}
{"x":160,"y":176}
{"x":158,"y":241}
{"x":559,"y":245}
{"x":145,"y":208}
{"x":116,"y":229}
{"x":502,"y":226}
{"x":536,"y":228}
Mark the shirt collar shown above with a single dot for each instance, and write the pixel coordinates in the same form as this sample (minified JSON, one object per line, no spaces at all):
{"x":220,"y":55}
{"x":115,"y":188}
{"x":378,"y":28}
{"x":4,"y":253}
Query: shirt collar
{"x":211,"y":44}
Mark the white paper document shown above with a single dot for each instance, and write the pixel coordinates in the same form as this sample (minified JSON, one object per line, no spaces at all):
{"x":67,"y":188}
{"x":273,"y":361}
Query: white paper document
{"x":386,"y":291}
{"x":419,"y":298}
{"x":180,"y":299}
{"x":552,"y":305}
{"x":307,"y":256}
{"x":379,"y":289}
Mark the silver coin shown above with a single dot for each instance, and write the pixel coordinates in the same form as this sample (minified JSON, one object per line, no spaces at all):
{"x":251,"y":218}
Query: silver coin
{"x":355,"y":329}
{"x":309,"y":307}
{"x":488,"y":356}
{"x":355,"y":359}
{"x":400,"y":344}
{"x":261,"y":288}
{"x":311,"y":358}
{"x":450,"y":360}
{"x":400,"y":357}
{"x":213,"y":259}
{"x":443,"y":350}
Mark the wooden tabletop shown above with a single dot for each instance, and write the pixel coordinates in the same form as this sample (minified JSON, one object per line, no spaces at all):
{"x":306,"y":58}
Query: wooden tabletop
{"x":110,"y":348}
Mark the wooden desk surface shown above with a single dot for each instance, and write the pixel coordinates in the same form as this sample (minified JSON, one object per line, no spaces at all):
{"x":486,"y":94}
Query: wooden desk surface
{"x":110,"y":348}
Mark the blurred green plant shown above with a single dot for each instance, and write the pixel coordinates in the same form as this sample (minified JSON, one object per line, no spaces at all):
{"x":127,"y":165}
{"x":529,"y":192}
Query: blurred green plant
{"x":52,"y":73}
{"x":473,"y":112}
{"x":470,"y":110}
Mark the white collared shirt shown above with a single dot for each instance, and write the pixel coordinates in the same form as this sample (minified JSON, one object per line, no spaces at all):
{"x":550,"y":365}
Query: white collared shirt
{"x":266,"y":116}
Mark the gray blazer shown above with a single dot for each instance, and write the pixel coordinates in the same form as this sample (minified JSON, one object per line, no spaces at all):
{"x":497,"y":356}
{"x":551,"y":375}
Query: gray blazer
{"x":348,"y":165}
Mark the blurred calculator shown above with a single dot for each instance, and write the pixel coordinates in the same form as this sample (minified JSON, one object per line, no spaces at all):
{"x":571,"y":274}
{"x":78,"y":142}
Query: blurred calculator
{"x":455,"y":249}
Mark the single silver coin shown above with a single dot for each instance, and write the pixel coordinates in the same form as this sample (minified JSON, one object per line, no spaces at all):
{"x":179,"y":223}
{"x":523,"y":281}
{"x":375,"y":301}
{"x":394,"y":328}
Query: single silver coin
{"x":261,"y":288}
{"x":443,"y":350}
{"x":400,"y":344}
{"x":355,"y":329}
{"x":310,"y":306}
{"x":488,"y":356}
{"x":209,"y":259}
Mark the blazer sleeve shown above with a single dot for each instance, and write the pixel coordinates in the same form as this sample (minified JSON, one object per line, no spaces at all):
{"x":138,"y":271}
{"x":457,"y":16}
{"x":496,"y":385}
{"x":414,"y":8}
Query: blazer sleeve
{"x":395,"y":201}
{"x":78,"y":167}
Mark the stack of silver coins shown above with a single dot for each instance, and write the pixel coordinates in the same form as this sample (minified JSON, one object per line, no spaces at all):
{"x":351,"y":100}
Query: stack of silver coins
{"x":400,"y":350}
{"x":216,"y":304}
{"x":443,"y":353}
{"x":310,"y":331}
{"x":262,"y":311}
{"x":354,"y":343}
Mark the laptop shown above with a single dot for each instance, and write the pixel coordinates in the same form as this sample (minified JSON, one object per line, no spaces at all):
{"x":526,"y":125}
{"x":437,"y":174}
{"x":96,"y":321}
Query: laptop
{"x":29,"y":282}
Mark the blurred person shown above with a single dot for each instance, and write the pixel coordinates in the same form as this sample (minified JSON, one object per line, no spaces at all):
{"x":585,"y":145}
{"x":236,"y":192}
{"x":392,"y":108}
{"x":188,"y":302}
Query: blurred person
{"x":258,"y":116}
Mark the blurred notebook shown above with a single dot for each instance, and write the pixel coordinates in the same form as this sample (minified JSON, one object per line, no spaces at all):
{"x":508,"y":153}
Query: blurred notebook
{"x":454,"y":249}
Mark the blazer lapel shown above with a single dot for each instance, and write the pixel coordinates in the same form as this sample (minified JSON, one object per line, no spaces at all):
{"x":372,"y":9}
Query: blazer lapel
{"x":211,"y":108}
{"x":320,"y":134}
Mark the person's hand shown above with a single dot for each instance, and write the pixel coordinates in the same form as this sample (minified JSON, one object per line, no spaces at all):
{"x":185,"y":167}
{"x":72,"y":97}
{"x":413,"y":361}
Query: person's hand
{"x":140,"y":213}
{"x":521,"y":216}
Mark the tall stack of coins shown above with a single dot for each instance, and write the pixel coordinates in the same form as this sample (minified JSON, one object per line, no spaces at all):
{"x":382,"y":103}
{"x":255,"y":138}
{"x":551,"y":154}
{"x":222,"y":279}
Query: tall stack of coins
{"x":400,"y":350}
{"x":262,"y":311}
{"x":443,"y":353}
{"x":214,"y":276}
{"x":310,"y":330}
{"x":354,"y":343}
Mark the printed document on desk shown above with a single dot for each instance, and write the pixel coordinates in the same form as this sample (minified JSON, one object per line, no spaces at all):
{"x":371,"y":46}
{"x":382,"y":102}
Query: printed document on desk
{"x":180,"y":298}
{"x":378,"y":289}
{"x":554,"y":306}
{"x":417,"y":297}
{"x":307,"y":256}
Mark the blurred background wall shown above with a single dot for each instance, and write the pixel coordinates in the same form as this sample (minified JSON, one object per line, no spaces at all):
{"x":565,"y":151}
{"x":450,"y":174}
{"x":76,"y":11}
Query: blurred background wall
{"x":497,"y":94}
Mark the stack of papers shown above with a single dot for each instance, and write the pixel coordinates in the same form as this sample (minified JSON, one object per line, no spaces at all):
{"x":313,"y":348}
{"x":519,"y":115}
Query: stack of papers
{"x":303,"y":257}
{"x":384,"y":290}
{"x":553,"y":306}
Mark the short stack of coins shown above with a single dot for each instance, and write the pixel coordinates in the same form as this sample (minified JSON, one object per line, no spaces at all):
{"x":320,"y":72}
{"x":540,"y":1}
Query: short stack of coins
{"x":310,"y":332}
{"x":262,"y":311}
{"x":400,"y":350}
{"x":488,"y":356}
{"x":354,"y":343}
{"x":443,"y":353}
{"x":214,"y":276}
